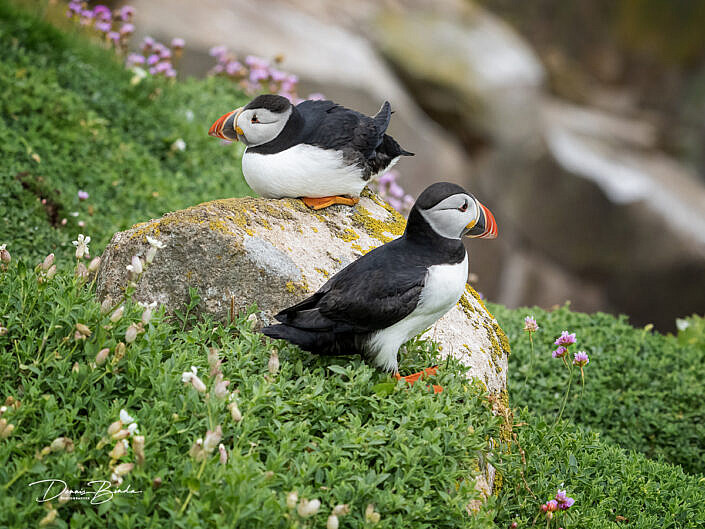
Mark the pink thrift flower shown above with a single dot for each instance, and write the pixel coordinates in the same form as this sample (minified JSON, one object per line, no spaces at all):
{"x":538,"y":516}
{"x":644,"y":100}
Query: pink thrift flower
{"x":560,"y":352}
{"x":288,"y":87}
{"x":135,"y":58}
{"x":75,"y":7}
{"x":163,"y":67}
{"x":530,"y":324}
{"x":256,"y":62}
{"x":581,"y":359}
{"x":103,"y":26}
{"x":395,"y":190}
{"x":127,"y":29}
{"x":153,"y":59}
{"x":233,"y":67}
{"x":218,"y":51}
{"x":127,"y":12}
{"x":82,"y":195}
{"x":567,"y":504}
{"x":147,"y":43}
{"x":316,"y":96}
{"x":114,"y":36}
{"x":277,"y":75}
{"x":387,"y":178}
{"x":257,"y":75}
{"x":395,"y":203}
{"x":552,"y":505}
{"x":565,"y":339}
{"x":102,"y":12}
{"x":178,"y":43}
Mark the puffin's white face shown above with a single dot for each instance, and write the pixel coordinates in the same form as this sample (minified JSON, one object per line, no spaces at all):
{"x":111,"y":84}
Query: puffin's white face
{"x":256,"y":126}
{"x":461,"y":214}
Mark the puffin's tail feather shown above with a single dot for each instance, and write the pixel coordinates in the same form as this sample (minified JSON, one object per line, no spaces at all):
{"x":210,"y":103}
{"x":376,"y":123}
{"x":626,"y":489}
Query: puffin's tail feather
{"x":322,"y":343}
{"x":391,"y":148}
{"x":382,"y":118}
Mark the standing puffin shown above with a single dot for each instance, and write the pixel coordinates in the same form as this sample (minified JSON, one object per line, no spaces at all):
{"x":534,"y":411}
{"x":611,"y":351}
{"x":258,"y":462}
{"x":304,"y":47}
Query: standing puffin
{"x":317,"y":150}
{"x":388,"y":296}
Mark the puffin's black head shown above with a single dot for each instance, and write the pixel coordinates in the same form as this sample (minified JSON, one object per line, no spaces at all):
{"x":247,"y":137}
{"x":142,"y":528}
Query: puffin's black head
{"x":258,"y":122}
{"x":451,"y":212}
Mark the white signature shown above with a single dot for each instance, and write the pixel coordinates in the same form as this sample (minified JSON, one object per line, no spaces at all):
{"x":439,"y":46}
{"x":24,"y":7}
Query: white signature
{"x":102,"y":495}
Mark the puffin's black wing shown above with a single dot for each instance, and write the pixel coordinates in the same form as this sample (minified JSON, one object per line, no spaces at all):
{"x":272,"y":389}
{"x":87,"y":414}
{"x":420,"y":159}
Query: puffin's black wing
{"x":372,"y":293}
{"x":331,"y":126}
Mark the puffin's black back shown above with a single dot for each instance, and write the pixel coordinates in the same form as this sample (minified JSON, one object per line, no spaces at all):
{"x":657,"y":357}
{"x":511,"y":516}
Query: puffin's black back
{"x":327,"y":125}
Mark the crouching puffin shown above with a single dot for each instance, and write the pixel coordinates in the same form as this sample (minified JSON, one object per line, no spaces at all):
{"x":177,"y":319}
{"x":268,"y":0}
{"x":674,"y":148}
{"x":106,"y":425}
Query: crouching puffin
{"x":317,"y":150}
{"x":377,"y":303}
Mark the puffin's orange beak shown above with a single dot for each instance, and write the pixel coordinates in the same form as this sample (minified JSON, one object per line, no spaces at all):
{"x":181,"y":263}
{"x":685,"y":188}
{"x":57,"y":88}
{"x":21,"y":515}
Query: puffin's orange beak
{"x":485,"y":227}
{"x":225,"y":128}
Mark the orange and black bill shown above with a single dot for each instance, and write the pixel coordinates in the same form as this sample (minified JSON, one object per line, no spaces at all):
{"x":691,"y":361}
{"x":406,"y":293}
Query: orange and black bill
{"x":485,"y":227}
{"x":224,"y":127}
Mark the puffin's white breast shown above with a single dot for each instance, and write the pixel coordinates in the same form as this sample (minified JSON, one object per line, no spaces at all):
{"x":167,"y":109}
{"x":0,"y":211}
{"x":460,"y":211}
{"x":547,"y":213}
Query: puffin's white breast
{"x":444,"y":286}
{"x":301,"y":171}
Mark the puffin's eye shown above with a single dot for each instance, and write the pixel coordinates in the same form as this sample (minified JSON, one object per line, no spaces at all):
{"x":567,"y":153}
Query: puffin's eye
{"x":464,"y":207}
{"x":254,"y":119}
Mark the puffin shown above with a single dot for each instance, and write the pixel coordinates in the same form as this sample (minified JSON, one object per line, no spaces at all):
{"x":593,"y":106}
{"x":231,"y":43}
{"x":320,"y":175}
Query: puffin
{"x":391,"y":294}
{"x":317,"y":150}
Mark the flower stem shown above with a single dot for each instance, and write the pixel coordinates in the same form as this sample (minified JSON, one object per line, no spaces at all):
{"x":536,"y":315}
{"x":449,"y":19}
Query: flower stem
{"x":17,"y":476}
{"x":190,"y":492}
{"x":531,"y":359}
{"x":565,"y":398}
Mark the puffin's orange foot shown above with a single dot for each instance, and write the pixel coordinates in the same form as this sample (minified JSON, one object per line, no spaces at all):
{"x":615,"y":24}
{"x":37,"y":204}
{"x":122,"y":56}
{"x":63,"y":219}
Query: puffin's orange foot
{"x":324,"y":202}
{"x":428,"y":372}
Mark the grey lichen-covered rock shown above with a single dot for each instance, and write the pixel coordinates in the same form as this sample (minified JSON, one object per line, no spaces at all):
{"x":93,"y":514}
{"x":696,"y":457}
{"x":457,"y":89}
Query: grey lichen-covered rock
{"x":273,"y":253}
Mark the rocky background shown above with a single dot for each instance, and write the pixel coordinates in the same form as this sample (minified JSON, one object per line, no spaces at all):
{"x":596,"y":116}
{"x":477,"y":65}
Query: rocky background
{"x":581,"y":125}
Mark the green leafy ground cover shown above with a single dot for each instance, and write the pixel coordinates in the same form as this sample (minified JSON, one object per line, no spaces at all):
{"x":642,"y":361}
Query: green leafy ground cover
{"x":321,"y":426}
{"x":317,"y":427}
{"x":644,"y":391}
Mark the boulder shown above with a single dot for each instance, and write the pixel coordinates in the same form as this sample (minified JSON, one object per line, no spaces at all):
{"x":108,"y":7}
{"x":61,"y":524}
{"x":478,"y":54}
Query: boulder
{"x":273,"y":253}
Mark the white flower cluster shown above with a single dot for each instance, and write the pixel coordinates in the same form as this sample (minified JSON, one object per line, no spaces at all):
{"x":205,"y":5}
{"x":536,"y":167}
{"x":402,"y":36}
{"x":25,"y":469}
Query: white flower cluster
{"x":120,"y":431}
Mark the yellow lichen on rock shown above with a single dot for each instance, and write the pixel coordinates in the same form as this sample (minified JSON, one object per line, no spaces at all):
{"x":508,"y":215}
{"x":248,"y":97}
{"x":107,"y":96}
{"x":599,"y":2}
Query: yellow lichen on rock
{"x":382,"y":230}
{"x":349,"y":235}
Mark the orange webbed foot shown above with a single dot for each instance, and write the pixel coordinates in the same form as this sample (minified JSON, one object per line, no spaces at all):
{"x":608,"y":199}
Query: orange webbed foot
{"x":428,"y":372}
{"x":324,"y":202}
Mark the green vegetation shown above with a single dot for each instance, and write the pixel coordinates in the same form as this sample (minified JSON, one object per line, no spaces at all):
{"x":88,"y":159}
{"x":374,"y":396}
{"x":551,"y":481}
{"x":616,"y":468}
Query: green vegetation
{"x":612,"y":487}
{"x":317,"y":427}
{"x":70,"y":120}
{"x":643,"y":391}
{"x":328,"y":428}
